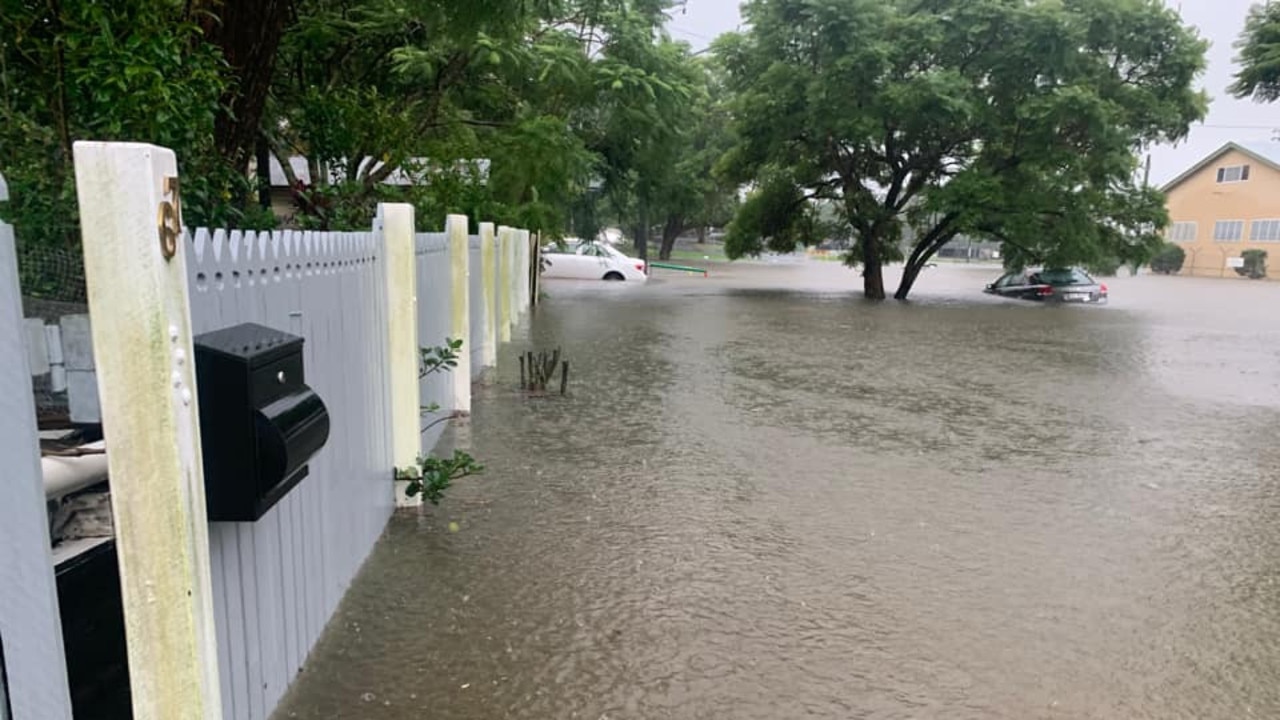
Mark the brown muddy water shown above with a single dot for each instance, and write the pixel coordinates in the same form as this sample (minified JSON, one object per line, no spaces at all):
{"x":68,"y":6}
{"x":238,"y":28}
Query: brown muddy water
{"x":768,"y":499}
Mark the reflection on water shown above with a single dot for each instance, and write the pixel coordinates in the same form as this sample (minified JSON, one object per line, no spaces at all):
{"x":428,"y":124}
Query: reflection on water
{"x":766,"y":504}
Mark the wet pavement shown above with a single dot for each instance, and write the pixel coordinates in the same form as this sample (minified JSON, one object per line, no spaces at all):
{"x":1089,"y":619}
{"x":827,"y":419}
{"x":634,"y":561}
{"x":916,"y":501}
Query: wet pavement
{"x":766,"y":498}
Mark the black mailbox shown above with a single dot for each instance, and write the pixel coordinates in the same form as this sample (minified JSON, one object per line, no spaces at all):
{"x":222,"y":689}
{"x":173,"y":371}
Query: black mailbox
{"x":259,"y":422}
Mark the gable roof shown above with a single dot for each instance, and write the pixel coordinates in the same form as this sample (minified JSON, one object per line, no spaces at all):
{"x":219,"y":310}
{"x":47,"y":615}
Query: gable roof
{"x":417,"y":171}
{"x":1264,"y":152}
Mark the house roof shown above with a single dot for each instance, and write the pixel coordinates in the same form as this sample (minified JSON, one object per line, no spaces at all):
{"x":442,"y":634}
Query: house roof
{"x":417,"y":171}
{"x":1264,"y":152}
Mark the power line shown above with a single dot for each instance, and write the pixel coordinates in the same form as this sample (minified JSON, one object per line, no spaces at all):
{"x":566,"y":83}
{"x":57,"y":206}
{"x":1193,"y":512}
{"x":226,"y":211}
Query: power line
{"x":690,"y":33}
{"x":1237,"y":127}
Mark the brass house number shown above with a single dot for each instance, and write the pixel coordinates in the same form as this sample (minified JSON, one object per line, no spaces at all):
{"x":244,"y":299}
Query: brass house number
{"x":169,"y":218}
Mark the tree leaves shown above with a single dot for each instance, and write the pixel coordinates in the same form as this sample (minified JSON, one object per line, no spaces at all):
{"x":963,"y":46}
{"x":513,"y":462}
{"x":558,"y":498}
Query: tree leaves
{"x":1259,"y":55}
{"x":1015,"y":121}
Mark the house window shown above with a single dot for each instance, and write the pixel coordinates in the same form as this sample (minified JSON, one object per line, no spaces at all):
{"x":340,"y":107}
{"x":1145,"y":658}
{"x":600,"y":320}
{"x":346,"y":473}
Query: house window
{"x":1228,"y":230}
{"x":1182,"y":232}
{"x":1265,"y":231}
{"x":1233,"y":173}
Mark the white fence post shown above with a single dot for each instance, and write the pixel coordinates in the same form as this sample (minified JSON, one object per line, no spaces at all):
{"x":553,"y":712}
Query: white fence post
{"x":488,"y":265}
{"x":523,"y":280}
{"x":455,"y":227}
{"x":505,"y":268}
{"x":30,"y":632}
{"x":135,"y":270}
{"x":397,"y":227}
{"x":535,"y":270}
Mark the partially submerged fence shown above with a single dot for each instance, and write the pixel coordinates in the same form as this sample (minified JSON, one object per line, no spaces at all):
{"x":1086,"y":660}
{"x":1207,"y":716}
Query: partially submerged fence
{"x":276,"y":581}
{"x":221,"y":615}
{"x":434,"y":291}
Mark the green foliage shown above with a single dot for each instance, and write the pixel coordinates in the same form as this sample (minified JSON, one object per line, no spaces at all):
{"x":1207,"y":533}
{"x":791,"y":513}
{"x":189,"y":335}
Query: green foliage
{"x":1169,"y":260}
{"x":1255,"y":264}
{"x":553,"y":95}
{"x":441,"y":358}
{"x":132,"y":70}
{"x":1259,"y":55}
{"x":777,"y":217}
{"x":431,"y":360}
{"x":433,"y":475}
{"x":1104,"y":267}
{"x":910,"y":119}
{"x":529,"y":114}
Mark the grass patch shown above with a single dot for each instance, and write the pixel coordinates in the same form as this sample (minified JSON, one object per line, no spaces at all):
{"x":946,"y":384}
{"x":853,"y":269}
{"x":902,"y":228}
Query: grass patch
{"x":712,"y":253}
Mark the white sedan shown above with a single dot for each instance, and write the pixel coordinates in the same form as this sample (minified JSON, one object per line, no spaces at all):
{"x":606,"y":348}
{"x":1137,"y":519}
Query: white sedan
{"x":591,"y":261}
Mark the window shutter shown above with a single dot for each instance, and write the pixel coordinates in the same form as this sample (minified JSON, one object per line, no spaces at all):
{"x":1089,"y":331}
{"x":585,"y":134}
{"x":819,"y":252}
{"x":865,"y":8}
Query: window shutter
{"x":1244,"y":173}
{"x":1222,"y":173}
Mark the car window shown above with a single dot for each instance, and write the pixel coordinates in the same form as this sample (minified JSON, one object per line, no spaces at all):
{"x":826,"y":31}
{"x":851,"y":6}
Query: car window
{"x":592,"y":250}
{"x":1069,"y":276}
{"x":1011,"y":280}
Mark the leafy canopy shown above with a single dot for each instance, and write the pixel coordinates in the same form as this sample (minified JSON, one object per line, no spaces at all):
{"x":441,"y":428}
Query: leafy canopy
{"x":924,"y":120}
{"x":1259,"y":55}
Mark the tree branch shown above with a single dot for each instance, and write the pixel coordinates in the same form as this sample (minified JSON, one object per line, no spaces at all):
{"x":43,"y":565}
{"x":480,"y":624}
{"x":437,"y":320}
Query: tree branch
{"x":920,"y":254}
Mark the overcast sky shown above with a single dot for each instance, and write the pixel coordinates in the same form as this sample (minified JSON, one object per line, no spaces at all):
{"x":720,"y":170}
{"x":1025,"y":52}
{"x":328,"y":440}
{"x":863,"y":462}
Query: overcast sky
{"x":1219,"y":21}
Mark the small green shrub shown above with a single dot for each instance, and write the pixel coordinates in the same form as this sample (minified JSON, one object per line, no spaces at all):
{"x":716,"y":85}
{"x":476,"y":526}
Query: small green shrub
{"x":1255,"y":264}
{"x":1106,"y":267}
{"x":433,"y":475}
{"x":1169,"y":259}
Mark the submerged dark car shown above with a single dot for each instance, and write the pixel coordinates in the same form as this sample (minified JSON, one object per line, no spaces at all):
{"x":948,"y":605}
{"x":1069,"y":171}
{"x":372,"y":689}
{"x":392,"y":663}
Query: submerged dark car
{"x":1070,"y":285}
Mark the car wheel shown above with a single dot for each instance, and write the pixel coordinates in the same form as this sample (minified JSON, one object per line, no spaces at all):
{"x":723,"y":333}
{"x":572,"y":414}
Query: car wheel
{"x":613,"y":275}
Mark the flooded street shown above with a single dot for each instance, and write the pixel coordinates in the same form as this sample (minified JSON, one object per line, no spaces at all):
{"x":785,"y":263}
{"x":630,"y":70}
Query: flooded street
{"x":764,"y":503}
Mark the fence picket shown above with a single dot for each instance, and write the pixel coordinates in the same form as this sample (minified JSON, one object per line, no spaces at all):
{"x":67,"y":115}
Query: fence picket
{"x":277,"y":581}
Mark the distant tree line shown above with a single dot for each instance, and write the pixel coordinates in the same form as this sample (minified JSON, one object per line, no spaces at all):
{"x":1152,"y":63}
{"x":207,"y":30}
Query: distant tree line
{"x":586,"y":111}
{"x":896,"y":126}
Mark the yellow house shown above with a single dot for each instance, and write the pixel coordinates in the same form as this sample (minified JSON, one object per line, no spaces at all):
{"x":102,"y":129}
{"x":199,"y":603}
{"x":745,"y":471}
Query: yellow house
{"x":1226,"y":204}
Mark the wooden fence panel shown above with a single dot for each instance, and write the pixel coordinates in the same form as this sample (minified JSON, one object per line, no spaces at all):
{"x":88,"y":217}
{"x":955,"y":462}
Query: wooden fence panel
{"x":30,"y":632}
{"x":277,"y":581}
{"x":475,"y":291}
{"x":434,"y":312}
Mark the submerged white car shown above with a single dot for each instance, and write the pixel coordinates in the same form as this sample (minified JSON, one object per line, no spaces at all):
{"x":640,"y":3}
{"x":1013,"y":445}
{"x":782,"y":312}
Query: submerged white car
{"x":591,"y":261}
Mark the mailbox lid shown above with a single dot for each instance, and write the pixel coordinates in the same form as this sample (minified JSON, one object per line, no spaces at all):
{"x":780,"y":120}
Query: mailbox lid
{"x":252,"y":344}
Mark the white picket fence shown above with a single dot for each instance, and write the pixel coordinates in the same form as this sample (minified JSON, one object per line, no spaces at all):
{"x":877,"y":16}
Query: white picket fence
{"x":276,"y":581}
{"x":431,"y":255}
{"x":267,"y":588}
{"x":34,"y":681}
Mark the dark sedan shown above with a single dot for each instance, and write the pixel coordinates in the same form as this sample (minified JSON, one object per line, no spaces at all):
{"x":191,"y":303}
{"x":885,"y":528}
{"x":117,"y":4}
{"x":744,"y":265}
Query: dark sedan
{"x":1071,"y":285}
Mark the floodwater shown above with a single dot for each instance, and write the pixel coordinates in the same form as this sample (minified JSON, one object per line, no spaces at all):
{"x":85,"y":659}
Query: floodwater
{"x":768,"y":499}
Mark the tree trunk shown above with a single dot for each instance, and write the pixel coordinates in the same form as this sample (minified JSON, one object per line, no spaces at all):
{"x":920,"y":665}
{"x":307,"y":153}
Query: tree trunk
{"x":702,"y":234}
{"x":248,"y":32}
{"x":642,"y":232}
{"x":925,"y":249}
{"x":670,"y":231}
{"x":917,"y":262}
{"x":909,"y":275}
{"x":872,"y":269}
{"x":263,"y":153}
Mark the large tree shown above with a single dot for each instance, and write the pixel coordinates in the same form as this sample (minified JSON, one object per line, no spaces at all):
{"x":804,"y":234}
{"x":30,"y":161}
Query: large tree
{"x":134,"y":70}
{"x":1016,"y":120}
{"x":1259,"y":58}
{"x":638,"y":121}
{"x":689,"y":195}
{"x":558,"y":96}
